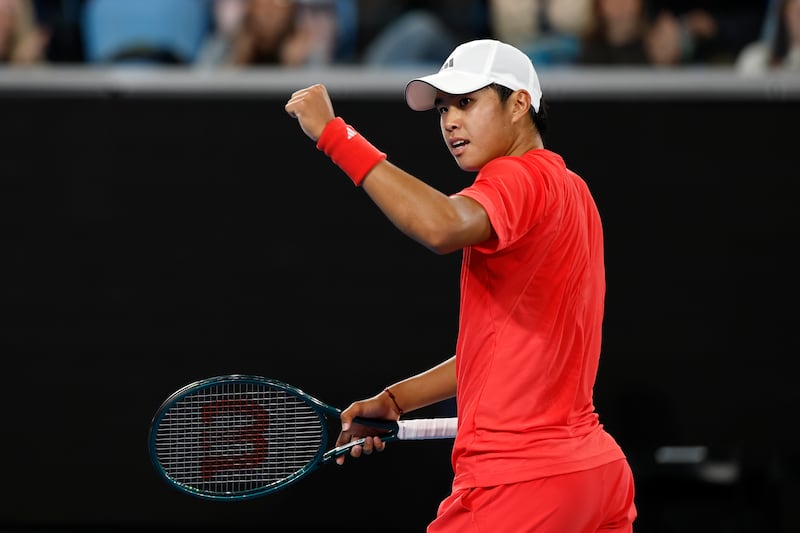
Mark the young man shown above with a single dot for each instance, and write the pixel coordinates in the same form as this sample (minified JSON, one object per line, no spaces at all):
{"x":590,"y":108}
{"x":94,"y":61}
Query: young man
{"x":530,"y":454}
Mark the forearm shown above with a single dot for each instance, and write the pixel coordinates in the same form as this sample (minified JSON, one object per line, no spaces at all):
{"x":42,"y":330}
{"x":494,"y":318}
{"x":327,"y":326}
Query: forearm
{"x":414,"y":207}
{"x":426,"y":388}
{"x":441,"y":223}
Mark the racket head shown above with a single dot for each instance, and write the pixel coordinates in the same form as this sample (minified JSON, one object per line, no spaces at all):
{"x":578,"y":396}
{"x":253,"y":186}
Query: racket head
{"x":238,"y":436}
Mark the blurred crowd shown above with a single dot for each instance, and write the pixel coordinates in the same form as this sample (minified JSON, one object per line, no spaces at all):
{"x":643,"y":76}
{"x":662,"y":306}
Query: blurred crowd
{"x":753,"y":36}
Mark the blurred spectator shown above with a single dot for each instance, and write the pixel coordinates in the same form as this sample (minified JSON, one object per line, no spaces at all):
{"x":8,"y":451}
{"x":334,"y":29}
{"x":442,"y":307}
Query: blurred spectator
{"x":416,"y":37}
{"x":226,"y":21}
{"x":616,"y":34}
{"x":548,"y":31}
{"x":22,"y":42}
{"x":393,"y":33}
{"x":290,"y":33}
{"x":144,"y":31}
{"x":778,"y":49}
{"x":61,"y":20}
{"x":704,"y":32}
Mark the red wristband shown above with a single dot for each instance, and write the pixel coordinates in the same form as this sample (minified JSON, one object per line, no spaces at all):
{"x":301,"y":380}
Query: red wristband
{"x":349,"y":149}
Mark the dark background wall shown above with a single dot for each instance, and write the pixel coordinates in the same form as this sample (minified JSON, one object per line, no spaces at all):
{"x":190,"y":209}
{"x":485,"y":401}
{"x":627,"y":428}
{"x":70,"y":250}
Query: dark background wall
{"x":149,"y":241}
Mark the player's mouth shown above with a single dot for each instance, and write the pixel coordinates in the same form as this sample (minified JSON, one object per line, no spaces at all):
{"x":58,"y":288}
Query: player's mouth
{"x":457,"y":146}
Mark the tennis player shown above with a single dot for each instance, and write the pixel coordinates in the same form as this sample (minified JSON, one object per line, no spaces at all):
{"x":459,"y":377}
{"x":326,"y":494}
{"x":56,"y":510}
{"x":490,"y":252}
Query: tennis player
{"x":531,"y":454}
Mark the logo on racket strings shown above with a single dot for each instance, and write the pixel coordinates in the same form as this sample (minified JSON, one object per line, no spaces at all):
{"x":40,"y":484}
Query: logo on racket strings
{"x":233,"y":436}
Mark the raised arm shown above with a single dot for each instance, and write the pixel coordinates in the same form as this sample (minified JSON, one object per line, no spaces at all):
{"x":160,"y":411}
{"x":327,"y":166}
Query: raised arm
{"x":439,"y":222}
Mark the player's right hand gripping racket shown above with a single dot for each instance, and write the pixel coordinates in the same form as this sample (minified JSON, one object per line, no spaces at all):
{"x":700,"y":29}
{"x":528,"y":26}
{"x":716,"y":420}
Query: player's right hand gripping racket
{"x":237,"y":436}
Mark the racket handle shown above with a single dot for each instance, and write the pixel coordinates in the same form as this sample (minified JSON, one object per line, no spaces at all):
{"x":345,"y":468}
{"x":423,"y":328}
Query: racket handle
{"x":412,"y":429}
{"x":427,"y":428}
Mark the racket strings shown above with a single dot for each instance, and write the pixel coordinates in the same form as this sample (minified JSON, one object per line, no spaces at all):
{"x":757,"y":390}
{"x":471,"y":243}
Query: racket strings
{"x":237,"y":437}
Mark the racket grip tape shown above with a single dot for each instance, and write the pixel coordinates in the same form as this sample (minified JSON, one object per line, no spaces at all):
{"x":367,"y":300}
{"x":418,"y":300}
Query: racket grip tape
{"x":427,"y":428}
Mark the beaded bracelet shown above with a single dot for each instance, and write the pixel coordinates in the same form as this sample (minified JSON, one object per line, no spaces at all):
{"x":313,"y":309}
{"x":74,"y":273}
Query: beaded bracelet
{"x":394,"y":400}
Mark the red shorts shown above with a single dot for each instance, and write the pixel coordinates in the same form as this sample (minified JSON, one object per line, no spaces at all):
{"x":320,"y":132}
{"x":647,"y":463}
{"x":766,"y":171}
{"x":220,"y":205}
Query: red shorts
{"x":595,"y":500}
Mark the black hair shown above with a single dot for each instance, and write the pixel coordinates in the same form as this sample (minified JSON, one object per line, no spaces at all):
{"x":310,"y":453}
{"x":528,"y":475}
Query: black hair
{"x":539,"y":118}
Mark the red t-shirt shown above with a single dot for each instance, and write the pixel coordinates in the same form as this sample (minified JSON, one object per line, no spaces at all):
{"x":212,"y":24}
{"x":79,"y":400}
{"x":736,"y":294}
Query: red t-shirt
{"x":530,"y":328}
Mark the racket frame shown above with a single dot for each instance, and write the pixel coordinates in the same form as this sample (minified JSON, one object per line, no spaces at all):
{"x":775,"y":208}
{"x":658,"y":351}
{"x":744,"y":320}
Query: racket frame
{"x":323,"y":410}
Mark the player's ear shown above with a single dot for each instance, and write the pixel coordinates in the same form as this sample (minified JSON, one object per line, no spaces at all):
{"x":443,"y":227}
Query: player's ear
{"x":521,"y":102}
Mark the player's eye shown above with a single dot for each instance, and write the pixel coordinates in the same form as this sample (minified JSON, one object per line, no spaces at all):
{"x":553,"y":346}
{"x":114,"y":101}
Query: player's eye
{"x":464,"y":102}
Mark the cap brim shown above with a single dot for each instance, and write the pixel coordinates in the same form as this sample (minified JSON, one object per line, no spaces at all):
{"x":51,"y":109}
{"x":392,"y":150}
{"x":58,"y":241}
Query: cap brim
{"x":421,"y":92}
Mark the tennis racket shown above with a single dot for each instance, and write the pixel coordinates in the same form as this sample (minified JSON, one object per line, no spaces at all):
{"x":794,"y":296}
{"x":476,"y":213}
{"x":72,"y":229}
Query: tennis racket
{"x":238,"y":436}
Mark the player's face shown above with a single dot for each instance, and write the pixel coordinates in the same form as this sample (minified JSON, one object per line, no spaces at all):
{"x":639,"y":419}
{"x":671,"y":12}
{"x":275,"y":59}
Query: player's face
{"x":475,"y":127}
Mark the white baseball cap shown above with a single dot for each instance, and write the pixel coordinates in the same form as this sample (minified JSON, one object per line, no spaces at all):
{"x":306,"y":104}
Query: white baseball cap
{"x":475,"y":65}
